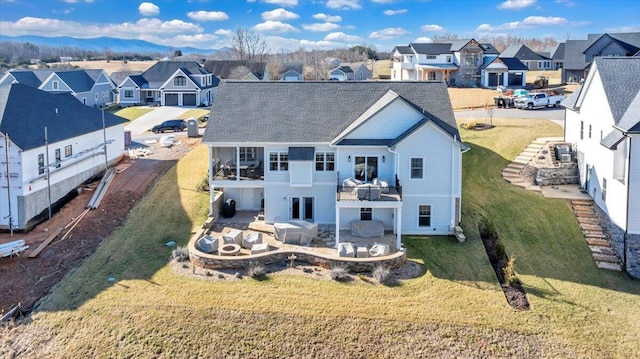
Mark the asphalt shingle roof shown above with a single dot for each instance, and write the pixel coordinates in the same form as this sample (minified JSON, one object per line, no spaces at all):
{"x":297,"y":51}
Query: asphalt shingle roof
{"x":159,"y":73}
{"x":298,"y":112}
{"x":556,"y":52}
{"x":621,"y":85}
{"x":522,"y":52}
{"x":431,"y":49}
{"x":27,"y":77}
{"x":25,"y":123}
{"x":574,"y":51}
{"x":224,"y":69}
{"x":403,"y":50}
{"x":78,"y":81}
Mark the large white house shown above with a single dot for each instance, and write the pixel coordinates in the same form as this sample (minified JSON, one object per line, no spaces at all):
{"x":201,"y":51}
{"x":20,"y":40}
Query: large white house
{"x":460,"y":63}
{"x":42,"y":169}
{"x":603,"y":124}
{"x":336,"y":152}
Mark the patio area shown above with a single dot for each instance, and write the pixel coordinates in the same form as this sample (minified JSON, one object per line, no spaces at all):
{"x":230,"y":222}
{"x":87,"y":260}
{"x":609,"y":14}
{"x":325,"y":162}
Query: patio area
{"x":320,"y":251}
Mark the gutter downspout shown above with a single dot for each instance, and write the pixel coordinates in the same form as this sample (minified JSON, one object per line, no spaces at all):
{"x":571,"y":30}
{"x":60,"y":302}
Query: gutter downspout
{"x":626,"y":230}
{"x":398,"y":211}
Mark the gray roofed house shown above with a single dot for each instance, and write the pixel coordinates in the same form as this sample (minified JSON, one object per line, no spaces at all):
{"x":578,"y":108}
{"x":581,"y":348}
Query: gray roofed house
{"x":602,"y":122}
{"x":531,"y":59}
{"x":170,"y":83}
{"x":238,"y":69}
{"x":351,"y":71}
{"x":456,"y":63}
{"x":578,"y":54}
{"x":327,"y":152}
{"x":75,"y":148}
{"x":291,"y":72}
{"x":556,"y":54}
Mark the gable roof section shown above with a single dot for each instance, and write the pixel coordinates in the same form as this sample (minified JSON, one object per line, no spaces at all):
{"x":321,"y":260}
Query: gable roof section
{"x":78,"y":81}
{"x":556,"y":52}
{"x":119,"y":76}
{"x":511,"y":63}
{"x":73,"y":118}
{"x":630,"y":121}
{"x":313,"y":111}
{"x":574,"y":58}
{"x":572,"y":100}
{"x":522,"y":52}
{"x":618,"y":39}
{"x":224,"y":68}
{"x":403,"y":50}
{"x":620,"y":88}
{"x":159,"y":73}
{"x":296,"y":67}
{"x":27,"y":77}
{"x":431,"y":48}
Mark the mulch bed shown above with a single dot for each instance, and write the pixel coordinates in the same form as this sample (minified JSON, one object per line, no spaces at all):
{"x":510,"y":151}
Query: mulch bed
{"x":514,"y":293}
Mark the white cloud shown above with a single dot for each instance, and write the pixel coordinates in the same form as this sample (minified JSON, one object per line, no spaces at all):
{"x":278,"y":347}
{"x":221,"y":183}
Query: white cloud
{"x":279,"y":43}
{"x":516,"y":4}
{"x":126,"y":30}
{"x":64,"y":11}
{"x":382,"y":1}
{"x":281,"y":2}
{"x":344,"y":4}
{"x":424,"y":40}
{"x":208,"y":15}
{"x":431,"y":28}
{"x":279,"y":14}
{"x":148,"y":9}
{"x":527,"y":23}
{"x":395,"y":12}
{"x":567,"y":3}
{"x":342,"y":37}
{"x":327,"y":18}
{"x":223,"y":32}
{"x":321,"y":27}
{"x":388,"y":33}
{"x":275,"y":26}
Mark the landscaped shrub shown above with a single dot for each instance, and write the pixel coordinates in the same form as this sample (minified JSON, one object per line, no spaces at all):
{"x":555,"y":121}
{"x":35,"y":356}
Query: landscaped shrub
{"x":339,"y":273}
{"x":203,"y":186}
{"x":510,"y":276}
{"x":180,"y":254}
{"x":256,"y":271}
{"x":382,"y":274}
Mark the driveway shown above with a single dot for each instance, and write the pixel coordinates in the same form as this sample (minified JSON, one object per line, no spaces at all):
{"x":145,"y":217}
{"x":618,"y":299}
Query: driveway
{"x":555,"y":115}
{"x":155,"y":117}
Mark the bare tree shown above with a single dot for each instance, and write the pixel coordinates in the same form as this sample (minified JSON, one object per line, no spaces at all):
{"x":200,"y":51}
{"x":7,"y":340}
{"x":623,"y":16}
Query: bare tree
{"x":248,"y":45}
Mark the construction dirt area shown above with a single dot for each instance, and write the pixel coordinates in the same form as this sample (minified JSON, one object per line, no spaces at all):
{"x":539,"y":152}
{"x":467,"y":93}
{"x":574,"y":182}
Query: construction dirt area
{"x":26,"y":280}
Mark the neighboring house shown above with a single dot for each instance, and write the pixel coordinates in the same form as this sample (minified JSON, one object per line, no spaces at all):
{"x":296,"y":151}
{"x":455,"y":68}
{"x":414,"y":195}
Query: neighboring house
{"x":532,"y":60}
{"x":503,"y":71}
{"x":351,"y":71}
{"x":91,"y":87}
{"x":455,"y":63}
{"x":238,"y":69}
{"x":556,"y":54}
{"x":292,"y":72}
{"x":302,"y":144}
{"x":603,"y":124}
{"x":578,"y":54}
{"x":171,"y":83}
{"x":44,"y":167}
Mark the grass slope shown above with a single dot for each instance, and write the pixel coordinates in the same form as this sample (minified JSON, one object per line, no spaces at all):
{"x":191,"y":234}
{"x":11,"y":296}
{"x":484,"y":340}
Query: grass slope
{"x":132,"y":113}
{"x":454,"y":309}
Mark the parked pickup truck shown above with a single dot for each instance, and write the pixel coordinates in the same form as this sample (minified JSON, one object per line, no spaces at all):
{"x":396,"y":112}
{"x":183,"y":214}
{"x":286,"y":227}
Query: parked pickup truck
{"x":537,"y":100}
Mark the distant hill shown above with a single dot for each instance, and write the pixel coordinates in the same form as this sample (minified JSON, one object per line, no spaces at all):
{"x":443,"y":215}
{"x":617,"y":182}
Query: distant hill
{"x":100,"y":43}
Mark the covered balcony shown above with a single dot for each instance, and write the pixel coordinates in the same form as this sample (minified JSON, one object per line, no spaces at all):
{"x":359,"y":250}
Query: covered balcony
{"x":237,"y":163}
{"x":377,"y":190}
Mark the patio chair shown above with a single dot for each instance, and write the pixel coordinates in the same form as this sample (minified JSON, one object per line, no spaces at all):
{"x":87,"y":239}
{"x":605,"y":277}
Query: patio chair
{"x":253,"y":170}
{"x":252,"y":239}
{"x":226,"y":169}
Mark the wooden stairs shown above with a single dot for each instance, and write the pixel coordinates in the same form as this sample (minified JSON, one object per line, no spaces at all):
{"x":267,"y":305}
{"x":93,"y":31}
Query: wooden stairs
{"x":595,"y":236}
{"x":512,"y":172}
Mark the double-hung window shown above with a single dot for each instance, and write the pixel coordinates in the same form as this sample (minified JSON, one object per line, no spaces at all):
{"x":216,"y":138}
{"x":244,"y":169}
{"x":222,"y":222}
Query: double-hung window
{"x":424,"y":215}
{"x":417,"y":168}
{"x":68,"y":151}
{"x":179,"y":81}
{"x":278,"y":161}
{"x":325,"y":161}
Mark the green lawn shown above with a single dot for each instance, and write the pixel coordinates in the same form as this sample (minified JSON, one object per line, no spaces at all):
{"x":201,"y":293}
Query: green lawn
{"x":132,"y":113}
{"x":455,"y":308}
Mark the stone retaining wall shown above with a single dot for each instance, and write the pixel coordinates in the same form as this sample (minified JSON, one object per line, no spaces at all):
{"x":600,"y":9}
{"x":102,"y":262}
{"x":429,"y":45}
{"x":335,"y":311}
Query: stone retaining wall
{"x":552,"y":176}
{"x":212,"y":261}
{"x":633,"y":255}
{"x":616,"y":234}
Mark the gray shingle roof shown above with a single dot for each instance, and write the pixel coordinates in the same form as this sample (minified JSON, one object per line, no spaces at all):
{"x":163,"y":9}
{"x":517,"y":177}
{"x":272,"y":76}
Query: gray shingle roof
{"x":571,"y":100}
{"x":224,"y":69}
{"x":574,"y":57}
{"x":403,"y":50}
{"x":286,"y":112}
{"x":512,"y":64}
{"x":432,"y":48}
{"x":556,"y":52}
{"x":27,"y":77}
{"x":78,"y":81}
{"x":621,"y":88}
{"x":73,"y":118}
{"x":119,"y":76}
{"x":573,"y":54}
{"x":159,"y":73}
{"x":612,"y":139}
{"x":522,"y":52}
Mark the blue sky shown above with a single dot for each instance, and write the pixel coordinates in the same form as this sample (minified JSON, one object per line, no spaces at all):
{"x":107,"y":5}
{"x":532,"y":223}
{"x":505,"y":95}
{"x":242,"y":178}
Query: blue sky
{"x":291,"y":24}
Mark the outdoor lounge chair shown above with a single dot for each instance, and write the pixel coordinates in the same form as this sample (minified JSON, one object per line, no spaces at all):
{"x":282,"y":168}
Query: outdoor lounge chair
{"x":207,"y":244}
{"x":252,"y":239}
{"x":379,"y":250}
{"x":345,"y":249}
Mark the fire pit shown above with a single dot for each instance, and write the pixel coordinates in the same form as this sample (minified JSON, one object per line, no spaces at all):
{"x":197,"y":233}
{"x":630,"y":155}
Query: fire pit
{"x":230,"y":250}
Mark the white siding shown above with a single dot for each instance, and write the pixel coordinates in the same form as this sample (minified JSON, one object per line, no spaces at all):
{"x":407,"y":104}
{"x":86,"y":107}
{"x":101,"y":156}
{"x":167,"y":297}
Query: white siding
{"x":346,"y":169}
{"x":389,"y":123}
{"x":277,"y":201}
{"x":634,"y":186}
{"x":15,"y":181}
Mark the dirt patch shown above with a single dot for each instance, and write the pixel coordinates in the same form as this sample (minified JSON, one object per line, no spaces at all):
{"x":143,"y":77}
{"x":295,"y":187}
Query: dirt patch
{"x":513,"y":292}
{"x":26,"y":279}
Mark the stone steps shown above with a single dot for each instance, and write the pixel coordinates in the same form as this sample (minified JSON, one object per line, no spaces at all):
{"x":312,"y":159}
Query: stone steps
{"x":511,"y":173}
{"x":598,"y":242}
{"x":605,"y":258}
{"x":595,"y":235}
{"x":616,"y":267}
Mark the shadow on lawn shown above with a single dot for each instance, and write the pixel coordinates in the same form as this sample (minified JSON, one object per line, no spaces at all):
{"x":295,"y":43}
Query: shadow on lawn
{"x":542,"y":234}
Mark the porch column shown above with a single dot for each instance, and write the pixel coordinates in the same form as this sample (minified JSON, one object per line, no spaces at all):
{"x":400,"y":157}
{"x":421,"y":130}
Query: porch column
{"x":399,"y":228}
{"x":237,"y":163}
{"x":337,"y":226}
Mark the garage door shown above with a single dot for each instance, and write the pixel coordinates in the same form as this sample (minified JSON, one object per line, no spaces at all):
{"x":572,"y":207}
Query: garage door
{"x":171,"y":99}
{"x":189,"y":99}
{"x":515,"y":79}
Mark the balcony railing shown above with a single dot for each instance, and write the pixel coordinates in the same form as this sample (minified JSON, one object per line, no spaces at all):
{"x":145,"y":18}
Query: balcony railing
{"x":367,"y":192}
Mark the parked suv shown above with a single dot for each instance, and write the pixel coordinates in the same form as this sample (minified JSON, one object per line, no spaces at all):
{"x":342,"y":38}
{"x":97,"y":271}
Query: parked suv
{"x":175,"y":125}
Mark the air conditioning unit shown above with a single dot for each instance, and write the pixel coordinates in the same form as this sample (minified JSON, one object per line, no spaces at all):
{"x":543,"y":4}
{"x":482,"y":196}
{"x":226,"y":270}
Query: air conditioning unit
{"x":565,"y":157}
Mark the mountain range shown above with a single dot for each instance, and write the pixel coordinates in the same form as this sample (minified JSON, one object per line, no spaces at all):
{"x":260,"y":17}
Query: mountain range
{"x":101,"y":43}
